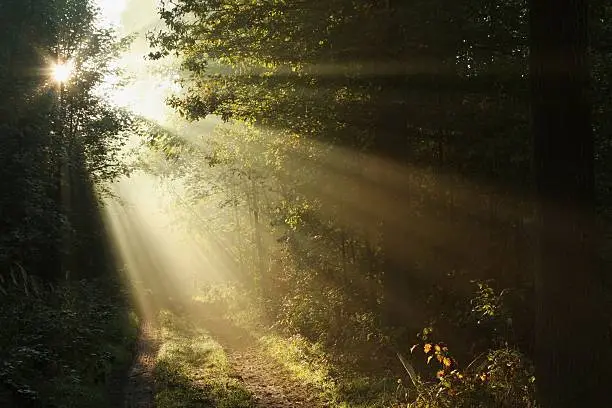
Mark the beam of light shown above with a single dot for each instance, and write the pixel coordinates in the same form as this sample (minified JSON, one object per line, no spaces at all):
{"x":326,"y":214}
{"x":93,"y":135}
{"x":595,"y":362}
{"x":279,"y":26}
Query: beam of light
{"x":162,"y":259}
{"x":369,"y":196}
{"x":112,"y":10}
{"x":61,"y":72}
{"x":146,"y":94}
{"x":366,"y":195}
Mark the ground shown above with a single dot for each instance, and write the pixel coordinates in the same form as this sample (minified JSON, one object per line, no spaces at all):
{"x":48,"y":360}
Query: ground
{"x":210,"y":362}
{"x":140,"y":385}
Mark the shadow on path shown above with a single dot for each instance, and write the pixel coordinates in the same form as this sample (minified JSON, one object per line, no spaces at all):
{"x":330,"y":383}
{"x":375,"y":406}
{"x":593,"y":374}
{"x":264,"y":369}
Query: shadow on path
{"x":140,"y":387}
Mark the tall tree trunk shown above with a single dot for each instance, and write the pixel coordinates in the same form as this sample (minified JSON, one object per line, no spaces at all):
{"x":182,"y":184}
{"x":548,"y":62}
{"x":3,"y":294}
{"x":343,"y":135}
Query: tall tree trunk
{"x":258,"y":234}
{"x":572,"y":344}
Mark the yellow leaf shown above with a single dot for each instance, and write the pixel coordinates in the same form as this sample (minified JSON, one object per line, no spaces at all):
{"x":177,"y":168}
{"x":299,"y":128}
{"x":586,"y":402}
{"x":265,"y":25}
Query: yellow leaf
{"x":437,"y":348}
{"x":429,"y":359}
{"x":447,"y":362}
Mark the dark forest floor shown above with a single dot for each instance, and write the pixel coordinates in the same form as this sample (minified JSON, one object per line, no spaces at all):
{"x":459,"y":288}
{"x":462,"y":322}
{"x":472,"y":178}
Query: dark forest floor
{"x":140,"y":384}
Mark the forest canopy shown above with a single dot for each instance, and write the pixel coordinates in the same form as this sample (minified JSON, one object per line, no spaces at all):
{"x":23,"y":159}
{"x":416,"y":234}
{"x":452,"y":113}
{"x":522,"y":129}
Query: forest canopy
{"x":391,"y":203}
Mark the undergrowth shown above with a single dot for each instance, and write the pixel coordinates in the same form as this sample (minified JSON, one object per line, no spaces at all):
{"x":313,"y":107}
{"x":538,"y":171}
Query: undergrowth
{"x":62,"y":346}
{"x":497,"y":378}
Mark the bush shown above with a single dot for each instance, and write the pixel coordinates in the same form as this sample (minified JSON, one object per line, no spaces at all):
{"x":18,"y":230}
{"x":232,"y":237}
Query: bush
{"x":59,"y":347}
{"x":499,"y":378}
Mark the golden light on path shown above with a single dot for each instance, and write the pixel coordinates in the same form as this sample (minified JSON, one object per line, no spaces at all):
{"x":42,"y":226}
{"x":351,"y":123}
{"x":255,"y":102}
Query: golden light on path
{"x":62,"y":72}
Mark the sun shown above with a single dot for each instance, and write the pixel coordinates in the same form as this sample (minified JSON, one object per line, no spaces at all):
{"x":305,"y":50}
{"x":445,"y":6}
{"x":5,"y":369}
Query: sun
{"x":62,"y":72}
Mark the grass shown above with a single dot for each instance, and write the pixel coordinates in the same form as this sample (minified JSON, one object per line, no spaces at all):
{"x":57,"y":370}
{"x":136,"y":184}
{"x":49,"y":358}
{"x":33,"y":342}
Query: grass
{"x":192,"y":370}
{"x":343,"y":388}
{"x":306,"y":361}
{"x":63,"y":347}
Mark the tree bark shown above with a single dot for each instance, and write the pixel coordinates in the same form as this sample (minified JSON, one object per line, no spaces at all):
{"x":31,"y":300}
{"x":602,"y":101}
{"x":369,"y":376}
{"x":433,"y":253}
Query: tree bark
{"x":572,"y":342}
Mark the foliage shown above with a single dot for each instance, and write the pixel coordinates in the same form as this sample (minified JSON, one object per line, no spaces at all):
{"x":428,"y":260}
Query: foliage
{"x":500,"y":374}
{"x":374,"y":164}
{"x":279,"y":167}
{"x":499,"y":378}
{"x":61,"y":346}
{"x":47,"y":127}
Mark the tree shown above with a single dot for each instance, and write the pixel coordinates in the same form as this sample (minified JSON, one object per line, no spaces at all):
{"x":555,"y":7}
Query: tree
{"x":572,"y":344}
{"x":37,"y":34}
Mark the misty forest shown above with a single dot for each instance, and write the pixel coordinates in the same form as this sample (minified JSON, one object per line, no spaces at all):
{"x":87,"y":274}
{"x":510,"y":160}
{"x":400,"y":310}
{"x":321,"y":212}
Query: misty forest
{"x":305,"y":203}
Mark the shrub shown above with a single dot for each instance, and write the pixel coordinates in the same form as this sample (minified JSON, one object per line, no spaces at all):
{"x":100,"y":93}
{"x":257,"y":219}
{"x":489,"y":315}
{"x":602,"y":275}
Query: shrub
{"x":60,"y":346}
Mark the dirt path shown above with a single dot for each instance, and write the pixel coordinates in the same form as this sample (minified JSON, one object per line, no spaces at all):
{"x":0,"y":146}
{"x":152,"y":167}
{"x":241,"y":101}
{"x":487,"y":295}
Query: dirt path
{"x":139,"y":390}
{"x":270,"y":383}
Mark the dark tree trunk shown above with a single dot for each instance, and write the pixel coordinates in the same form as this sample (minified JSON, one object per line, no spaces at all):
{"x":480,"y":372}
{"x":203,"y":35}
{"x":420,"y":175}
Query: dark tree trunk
{"x":572,"y":344}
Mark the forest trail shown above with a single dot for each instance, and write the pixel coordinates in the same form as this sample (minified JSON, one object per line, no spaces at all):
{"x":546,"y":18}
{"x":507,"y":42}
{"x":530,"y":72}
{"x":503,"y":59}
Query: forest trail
{"x":270,"y":384}
{"x":140,"y":387}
